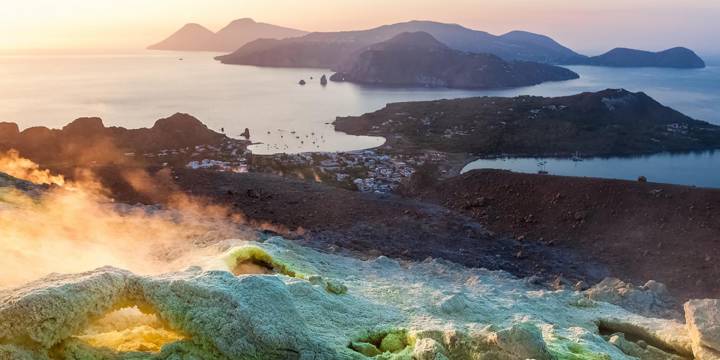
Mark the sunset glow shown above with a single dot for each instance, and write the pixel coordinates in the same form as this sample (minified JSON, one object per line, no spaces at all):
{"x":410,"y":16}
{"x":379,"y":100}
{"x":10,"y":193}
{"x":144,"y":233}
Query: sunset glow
{"x":592,"y":26}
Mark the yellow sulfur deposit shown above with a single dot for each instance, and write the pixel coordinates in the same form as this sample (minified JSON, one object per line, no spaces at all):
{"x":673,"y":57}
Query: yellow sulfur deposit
{"x":250,"y":259}
{"x":128,"y":330}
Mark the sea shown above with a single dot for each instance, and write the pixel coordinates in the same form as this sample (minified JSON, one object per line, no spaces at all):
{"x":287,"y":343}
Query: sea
{"x":135,"y":89}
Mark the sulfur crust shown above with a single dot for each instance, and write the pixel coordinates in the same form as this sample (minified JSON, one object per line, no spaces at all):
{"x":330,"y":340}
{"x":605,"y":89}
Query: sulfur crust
{"x":431,"y":309}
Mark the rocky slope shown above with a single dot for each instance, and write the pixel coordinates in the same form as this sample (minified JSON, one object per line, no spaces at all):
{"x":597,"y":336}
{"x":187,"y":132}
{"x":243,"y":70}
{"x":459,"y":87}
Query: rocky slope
{"x":679,"y":57}
{"x":639,"y":231}
{"x":194,"y":37}
{"x":609,"y":122}
{"x":327,"y":50}
{"x":418,"y":59}
{"x":317,"y":306}
{"x":87,"y":140}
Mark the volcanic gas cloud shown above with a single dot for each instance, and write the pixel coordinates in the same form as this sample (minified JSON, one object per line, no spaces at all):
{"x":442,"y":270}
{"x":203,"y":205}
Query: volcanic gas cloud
{"x":72,"y":226}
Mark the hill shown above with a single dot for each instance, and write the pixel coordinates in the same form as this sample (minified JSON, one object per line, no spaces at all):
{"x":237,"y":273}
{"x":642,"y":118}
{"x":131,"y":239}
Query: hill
{"x":678,"y":57}
{"x":418,"y":59}
{"x":87,"y":140}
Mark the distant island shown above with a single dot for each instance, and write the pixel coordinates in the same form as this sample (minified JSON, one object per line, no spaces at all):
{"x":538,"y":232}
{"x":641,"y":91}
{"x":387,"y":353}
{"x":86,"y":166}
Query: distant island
{"x":418,"y":59}
{"x":195,"y":37}
{"x":605,"y":123}
{"x":679,"y":57}
{"x":331,"y":49}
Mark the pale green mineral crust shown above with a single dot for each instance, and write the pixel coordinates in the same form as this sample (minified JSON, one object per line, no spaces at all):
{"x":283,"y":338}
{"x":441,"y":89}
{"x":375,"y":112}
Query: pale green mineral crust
{"x":311,"y":305}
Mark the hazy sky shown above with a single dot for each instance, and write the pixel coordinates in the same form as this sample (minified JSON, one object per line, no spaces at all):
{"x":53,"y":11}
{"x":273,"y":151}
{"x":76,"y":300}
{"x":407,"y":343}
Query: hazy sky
{"x":587,"y":25}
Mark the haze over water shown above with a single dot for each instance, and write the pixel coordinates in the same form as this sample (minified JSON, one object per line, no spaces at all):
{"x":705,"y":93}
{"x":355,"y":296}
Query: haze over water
{"x":134,"y":90}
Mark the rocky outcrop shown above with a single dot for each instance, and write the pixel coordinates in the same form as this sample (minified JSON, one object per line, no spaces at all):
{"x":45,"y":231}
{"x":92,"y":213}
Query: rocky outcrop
{"x":9,"y":182}
{"x":679,"y":57}
{"x":194,"y":37}
{"x":418,"y":59}
{"x":703,"y":323}
{"x":651,"y":299}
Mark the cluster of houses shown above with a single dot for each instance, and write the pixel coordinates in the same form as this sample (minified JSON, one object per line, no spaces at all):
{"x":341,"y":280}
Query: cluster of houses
{"x":366,"y":170}
{"x":230,"y":156}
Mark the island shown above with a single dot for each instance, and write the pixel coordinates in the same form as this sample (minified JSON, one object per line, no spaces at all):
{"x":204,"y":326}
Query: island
{"x":679,"y":57}
{"x":613,"y":122}
{"x":328,"y":50}
{"x":418,"y":59}
{"x":195,"y":37}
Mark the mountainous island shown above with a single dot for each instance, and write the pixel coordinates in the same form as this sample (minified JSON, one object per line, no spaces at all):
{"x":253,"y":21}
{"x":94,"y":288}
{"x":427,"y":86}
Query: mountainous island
{"x":418,"y":59}
{"x":679,"y":57}
{"x":605,"y":123}
{"x":330,"y":49}
{"x":195,"y":37}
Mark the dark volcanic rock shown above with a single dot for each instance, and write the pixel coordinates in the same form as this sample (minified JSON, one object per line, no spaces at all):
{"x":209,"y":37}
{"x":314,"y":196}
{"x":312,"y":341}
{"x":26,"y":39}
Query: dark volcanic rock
{"x":329,"y":49}
{"x":678,"y":57}
{"x":609,"y":122}
{"x":640,"y":236}
{"x":418,"y":59}
{"x":323,"y":80}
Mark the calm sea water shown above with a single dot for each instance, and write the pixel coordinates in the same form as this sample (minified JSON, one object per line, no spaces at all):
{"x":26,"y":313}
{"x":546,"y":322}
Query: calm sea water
{"x":134,"y":90}
{"x":695,"y":169}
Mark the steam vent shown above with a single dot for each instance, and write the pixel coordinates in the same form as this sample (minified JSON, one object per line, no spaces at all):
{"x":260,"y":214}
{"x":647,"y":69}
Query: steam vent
{"x":291,"y":302}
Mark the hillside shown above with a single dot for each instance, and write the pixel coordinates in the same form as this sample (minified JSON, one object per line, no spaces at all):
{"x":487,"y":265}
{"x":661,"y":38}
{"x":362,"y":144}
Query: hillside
{"x":88,"y":140}
{"x":609,"y":122}
{"x":418,"y":59}
{"x":194,"y":37}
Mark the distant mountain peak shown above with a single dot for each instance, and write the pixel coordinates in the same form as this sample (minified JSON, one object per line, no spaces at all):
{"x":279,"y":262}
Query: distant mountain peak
{"x":193,"y":26}
{"x":195,"y":37}
{"x":246,"y":20}
{"x":239,"y":23}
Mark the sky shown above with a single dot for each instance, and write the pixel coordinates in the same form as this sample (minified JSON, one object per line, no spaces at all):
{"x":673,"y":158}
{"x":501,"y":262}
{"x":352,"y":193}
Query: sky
{"x":588,"y":26}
